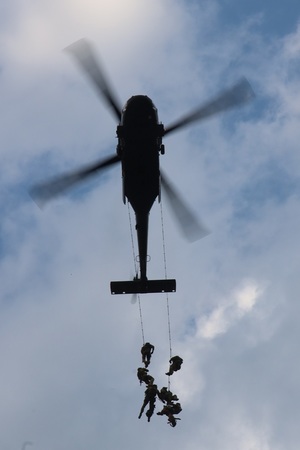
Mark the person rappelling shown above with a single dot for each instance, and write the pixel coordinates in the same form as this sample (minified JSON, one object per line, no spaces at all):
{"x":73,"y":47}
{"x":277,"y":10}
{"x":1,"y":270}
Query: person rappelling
{"x":170,"y":410}
{"x":143,"y":376}
{"x":147,"y":351}
{"x":166,"y":396}
{"x":150,"y":397}
{"x":175,"y":364}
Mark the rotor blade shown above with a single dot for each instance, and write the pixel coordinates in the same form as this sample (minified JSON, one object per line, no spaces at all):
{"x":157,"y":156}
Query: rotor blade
{"x":192,"y":228}
{"x":43,"y":192}
{"x":240,"y":93}
{"x":83,"y":53}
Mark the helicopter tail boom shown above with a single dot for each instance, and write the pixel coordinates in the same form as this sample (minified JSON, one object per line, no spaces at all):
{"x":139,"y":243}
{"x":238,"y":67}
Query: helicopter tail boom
{"x":142,"y":286}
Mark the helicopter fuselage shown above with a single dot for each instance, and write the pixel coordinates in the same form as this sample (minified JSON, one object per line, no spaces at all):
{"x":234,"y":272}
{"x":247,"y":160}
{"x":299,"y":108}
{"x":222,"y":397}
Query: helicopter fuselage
{"x":139,"y":145}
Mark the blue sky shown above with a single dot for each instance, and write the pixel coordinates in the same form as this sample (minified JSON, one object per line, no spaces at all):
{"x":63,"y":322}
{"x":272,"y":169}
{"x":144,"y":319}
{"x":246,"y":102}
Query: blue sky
{"x":279,"y":18}
{"x":69,"y":350}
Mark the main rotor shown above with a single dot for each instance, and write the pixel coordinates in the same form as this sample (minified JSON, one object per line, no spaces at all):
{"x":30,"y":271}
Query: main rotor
{"x":84,"y":55}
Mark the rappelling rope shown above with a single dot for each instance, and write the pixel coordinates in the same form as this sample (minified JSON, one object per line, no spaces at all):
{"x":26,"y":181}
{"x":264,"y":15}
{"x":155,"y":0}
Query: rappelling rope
{"x":166,"y":276}
{"x":136,"y":271}
{"x":141,"y":318}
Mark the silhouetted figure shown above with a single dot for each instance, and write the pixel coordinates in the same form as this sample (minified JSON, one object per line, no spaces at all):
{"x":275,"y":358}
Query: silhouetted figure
{"x":169,"y":411}
{"x":167,"y":396}
{"x":146,"y":352}
{"x":150,"y":397}
{"x":175,"y":364}
{"x":143,"y":376}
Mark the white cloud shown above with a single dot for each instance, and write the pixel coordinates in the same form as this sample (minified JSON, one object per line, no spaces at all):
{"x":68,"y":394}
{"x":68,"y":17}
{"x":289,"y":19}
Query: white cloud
{"x":238,"y":303}
{"x":247,"y":296}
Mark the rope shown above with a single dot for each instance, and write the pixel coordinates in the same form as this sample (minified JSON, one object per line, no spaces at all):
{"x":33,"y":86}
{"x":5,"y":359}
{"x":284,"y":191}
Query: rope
{"x":167,"y":295}
{"x":141,"y":318}
{"x":136,"y":271}
{"x":166,"y":276}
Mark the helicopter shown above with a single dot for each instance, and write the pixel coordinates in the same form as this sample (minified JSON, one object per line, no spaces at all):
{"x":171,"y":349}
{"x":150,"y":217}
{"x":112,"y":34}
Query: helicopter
{"x":139,"y":147}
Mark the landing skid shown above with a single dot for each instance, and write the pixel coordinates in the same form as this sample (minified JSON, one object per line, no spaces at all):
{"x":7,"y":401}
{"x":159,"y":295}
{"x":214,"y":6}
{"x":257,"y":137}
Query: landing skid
{"x":142,"y":286}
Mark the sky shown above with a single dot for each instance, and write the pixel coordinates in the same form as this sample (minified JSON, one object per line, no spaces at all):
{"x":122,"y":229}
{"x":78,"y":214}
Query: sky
{"x":69,"y":350}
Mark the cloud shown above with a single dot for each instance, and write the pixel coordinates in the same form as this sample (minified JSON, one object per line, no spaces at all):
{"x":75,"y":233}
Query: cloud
{"x":239,"y":303}
{"x":70,"y":350}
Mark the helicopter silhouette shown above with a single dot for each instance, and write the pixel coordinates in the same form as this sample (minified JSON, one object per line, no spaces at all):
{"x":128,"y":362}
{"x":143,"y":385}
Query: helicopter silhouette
{"x":139,"y":147}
